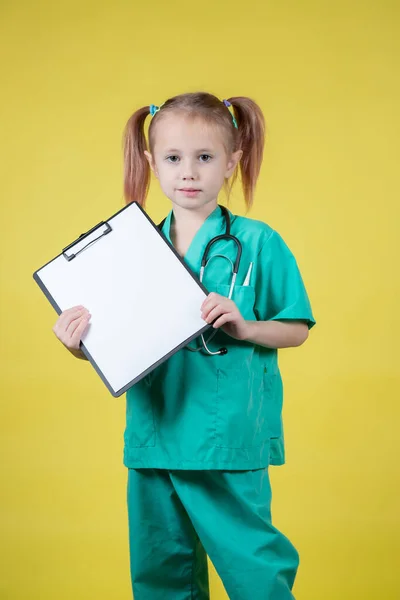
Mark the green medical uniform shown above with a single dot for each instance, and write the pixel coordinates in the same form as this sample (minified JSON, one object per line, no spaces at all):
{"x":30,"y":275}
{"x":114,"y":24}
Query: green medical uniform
{"x":177,"y":518}
{"x":222,"y":414}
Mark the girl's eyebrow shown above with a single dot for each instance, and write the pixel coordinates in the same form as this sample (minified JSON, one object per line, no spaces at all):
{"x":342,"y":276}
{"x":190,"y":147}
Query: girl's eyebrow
{"x":200,"y":150}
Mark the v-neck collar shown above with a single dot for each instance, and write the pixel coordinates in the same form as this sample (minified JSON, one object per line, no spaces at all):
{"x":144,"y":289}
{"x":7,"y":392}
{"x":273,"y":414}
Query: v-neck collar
{"x":213,"y":225}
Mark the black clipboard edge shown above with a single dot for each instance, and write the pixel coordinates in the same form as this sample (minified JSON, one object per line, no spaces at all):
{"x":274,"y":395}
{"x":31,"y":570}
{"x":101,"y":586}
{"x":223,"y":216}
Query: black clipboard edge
{"x":118,"y":393}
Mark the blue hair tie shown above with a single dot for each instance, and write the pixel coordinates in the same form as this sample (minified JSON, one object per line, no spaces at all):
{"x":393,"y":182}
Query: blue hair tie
{"x":228,"y":104}
{"x":154,"y":108}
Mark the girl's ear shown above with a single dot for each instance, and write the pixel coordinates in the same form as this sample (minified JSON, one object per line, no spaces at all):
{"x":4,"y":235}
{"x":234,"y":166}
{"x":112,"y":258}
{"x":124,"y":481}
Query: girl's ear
{"x":233,"y":162}
{"x":151,"y":162}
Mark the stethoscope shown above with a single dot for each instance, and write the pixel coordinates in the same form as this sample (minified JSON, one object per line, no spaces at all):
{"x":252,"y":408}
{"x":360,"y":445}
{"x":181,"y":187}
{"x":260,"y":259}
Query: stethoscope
{"x":234,"y":270}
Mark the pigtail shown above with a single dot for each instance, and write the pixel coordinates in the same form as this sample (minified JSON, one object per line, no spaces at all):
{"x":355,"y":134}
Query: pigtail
{"x":136,"y":166}
{"x":251,"y":137}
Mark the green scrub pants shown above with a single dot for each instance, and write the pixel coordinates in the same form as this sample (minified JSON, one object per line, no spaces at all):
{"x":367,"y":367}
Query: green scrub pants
{"x":177,"y":518}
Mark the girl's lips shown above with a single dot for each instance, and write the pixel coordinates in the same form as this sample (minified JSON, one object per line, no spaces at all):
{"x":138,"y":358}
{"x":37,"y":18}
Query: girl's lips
{"x":189,"y":192}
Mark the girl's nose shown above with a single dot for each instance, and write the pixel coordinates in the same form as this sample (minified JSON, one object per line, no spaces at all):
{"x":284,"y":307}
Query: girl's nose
{"x":188,"y":171}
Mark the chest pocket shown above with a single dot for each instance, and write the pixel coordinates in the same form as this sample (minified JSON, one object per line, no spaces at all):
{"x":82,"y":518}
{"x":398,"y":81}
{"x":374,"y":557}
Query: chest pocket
{"x":244,"y":297}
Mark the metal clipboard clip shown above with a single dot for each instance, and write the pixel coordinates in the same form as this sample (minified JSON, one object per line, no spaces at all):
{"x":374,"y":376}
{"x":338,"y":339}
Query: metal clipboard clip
{"x":107,"y":229}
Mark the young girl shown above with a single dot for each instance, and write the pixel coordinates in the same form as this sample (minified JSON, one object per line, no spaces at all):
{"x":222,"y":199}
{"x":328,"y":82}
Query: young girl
{"x":205,"y":425}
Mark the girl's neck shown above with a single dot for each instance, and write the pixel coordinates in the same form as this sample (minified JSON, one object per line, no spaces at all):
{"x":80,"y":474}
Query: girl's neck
{"x":186,"y":223}
{"x":191,"y":219}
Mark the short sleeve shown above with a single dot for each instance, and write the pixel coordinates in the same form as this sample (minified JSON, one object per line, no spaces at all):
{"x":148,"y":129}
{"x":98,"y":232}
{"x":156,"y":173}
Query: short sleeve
{"x":280,"y":291}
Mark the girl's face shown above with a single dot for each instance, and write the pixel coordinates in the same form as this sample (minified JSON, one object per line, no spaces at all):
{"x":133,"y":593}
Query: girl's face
{"x":190,"y":161}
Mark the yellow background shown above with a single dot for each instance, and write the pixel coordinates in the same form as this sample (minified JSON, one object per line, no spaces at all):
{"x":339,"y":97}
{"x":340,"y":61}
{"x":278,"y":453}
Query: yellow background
{"x":326,"y":75}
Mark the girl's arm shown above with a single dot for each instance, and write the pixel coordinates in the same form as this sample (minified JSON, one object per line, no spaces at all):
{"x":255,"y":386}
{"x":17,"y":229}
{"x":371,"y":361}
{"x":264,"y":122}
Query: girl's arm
{"x":224,"y":313}
{"x":276,"y":334}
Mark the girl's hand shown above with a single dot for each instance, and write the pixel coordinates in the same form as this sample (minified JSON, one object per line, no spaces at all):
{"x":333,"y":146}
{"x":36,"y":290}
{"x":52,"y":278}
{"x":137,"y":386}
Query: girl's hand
{"x":70,"y":326}
{"x":230,"y":319}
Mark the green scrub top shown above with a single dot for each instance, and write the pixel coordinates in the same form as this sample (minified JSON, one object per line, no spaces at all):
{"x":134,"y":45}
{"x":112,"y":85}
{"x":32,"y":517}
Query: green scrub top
{"x":197,"y":411}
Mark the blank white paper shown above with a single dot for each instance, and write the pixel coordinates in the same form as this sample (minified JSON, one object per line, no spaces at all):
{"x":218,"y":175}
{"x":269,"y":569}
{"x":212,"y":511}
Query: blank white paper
{"x":144,"y":303}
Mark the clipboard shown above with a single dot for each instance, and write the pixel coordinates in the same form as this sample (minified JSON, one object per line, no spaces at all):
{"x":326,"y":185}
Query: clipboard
{"x":144,"y":300}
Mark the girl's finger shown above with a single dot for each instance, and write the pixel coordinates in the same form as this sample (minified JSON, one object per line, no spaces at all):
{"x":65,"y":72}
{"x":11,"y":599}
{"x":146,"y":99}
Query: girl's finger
{"x":72,"y":311}
{"x":220,"y":301}
{"x":74,"y":324}
{"x":73,"y":308}
{"x":205,"y":308}
{"x":214,"y":313}
{"x":79,"y":331}
{"x":68,"y":316}
{"x":226,"y":318}
{"x":212,"y":299}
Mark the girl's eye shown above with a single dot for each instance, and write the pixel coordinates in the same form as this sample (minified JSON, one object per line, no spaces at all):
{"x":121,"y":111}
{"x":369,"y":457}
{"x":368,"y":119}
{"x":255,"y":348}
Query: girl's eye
{"x":203,"y":158}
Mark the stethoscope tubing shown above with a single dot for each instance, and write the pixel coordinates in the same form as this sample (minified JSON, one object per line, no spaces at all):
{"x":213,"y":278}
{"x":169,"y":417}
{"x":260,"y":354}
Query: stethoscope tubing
{"x":235,"y":268}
